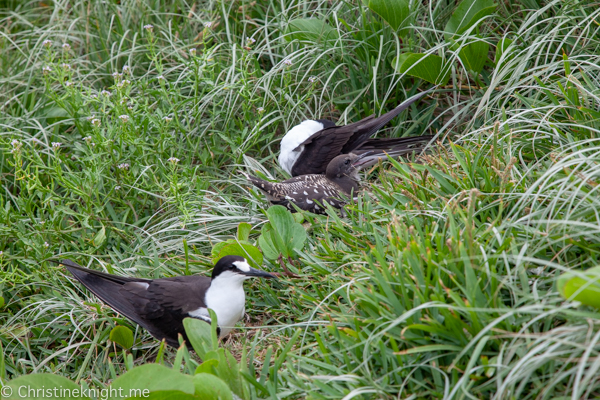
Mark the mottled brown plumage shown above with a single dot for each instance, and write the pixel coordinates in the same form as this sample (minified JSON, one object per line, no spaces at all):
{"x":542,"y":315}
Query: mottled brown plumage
{"x":312,"y":192}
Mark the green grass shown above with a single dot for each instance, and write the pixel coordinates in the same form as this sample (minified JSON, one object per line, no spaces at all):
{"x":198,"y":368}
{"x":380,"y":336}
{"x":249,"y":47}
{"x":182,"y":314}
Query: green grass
{"x":441,"y":281}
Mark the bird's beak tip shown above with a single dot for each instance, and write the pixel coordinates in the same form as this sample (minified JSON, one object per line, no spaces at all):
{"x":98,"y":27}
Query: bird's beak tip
{"x":360,"y":159}
{"x":259,"y":273}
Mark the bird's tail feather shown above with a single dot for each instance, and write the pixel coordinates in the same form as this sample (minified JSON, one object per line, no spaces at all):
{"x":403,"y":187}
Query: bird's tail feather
{"x":259,"y":183}
{"x":106,"y":287}
{"x":392,"y":144}
{"x":372,"y":159}
{"x":372,"y":125}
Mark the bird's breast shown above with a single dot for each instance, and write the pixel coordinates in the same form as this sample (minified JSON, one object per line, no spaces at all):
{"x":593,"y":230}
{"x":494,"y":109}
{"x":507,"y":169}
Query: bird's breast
{"x":228,"y":302}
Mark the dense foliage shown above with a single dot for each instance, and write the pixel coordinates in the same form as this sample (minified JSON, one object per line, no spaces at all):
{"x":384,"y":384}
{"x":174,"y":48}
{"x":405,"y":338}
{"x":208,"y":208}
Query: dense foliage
{"x":124,"y":125}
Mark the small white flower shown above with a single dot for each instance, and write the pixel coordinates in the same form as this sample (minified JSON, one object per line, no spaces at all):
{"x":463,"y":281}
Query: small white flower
{"x":130,"y":107}
{"x":287,"y":62}
{"x":56,"y":145}
{"x":167,"y":119}
{"x":87,"y":139}
{"x":161,"y":78}
{"x":193,"y":52}
{"x":126,"y":69}
{"x":15,"y":143}
{"x":1,"y":252}
{"x":260,"y":110}
{"x":47,"y":43}
{"x":207,"y":24}
{"x":66,"y":46}
{"x":42,"y":222}
{"x":250,"y":40}
{"x":65,"y":66}
{"x":96,"y":122}
{"x":68,"y":83}
{"x":149,"y":27}
{"x":312,"y":79}
{"x":123,"y":166}
{"x":46,"y":245}
{"x":94,"y":96}
{"x":117,"y":187}
{"x":117,"y":76}
{"x":105,"y":93}
{"x":173,"y":160}
{"x":124,"y":118}
{"x":122,"y":84}
{"x":46,"y":70}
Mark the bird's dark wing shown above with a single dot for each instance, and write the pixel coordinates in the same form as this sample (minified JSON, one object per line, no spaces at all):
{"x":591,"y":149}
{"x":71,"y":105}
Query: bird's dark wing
{"x":166,"y":302}
{"x":328,"y":143}
{"x":158,"y":305}
{"x":322,"y":147}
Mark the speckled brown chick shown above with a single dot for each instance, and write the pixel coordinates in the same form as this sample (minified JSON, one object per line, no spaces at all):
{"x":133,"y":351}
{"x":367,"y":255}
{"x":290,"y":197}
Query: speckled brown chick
{"x":312,"y":192}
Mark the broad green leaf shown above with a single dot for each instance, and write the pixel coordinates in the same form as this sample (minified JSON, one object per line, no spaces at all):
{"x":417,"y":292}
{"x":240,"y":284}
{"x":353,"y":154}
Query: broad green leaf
{"x":311,"y":30}
{"x":243,"y":231}
{"x":207,"y":366}
{"x":474,"y":55}
{"x":467,"y":14}
{"x":122,"y":336}
{"x":199,"y":335}
{"x":267,"y":242}
{"x":100,"y":237}
{"x":281,"y":220}
{"x":228,"y":369}
{"x":298,"y":237}
{"x":214,"y":253}
{"x":244,"y":249}
{"x":298,"y":217}
{"x":165,"y":395}
{"x":583,"y":287}
{"x":395,"y":12}
{"x":153,"y":377}
{"x":428,"y":67}
{"x":282,"y":235}
{"x":501,"y":48}
{"x":211,"y":387}
{"x":26,"y":387}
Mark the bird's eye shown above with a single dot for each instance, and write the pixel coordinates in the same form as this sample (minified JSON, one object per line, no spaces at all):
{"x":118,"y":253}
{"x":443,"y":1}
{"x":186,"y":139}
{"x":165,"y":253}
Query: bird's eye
{"x":347,"y":161}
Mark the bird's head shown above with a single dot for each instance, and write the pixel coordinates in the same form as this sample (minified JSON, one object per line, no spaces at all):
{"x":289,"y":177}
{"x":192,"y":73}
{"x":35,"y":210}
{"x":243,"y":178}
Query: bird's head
{"x":236,"y":267}
{"x":345,"y":165}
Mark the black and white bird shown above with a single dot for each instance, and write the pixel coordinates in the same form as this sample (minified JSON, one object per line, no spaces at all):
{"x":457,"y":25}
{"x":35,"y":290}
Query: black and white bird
{"x":312,"y":192}
{"x":160,"y":305}
{"x":308,"y":148}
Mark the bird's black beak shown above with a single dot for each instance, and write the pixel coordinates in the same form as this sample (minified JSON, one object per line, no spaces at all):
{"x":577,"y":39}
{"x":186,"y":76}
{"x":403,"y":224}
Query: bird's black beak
{"x":257,"y":273}
{"x":360,"y":160}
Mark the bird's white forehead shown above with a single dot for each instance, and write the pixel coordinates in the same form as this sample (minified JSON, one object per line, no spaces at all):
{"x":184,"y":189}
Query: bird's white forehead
{"x":242,"y":265}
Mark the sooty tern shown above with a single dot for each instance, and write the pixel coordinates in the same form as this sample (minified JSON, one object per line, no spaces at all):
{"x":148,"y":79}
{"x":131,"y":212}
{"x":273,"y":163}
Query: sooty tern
{"x":311,"y":192}
{"x":160,"y":305}
{"x":308,"y":148}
